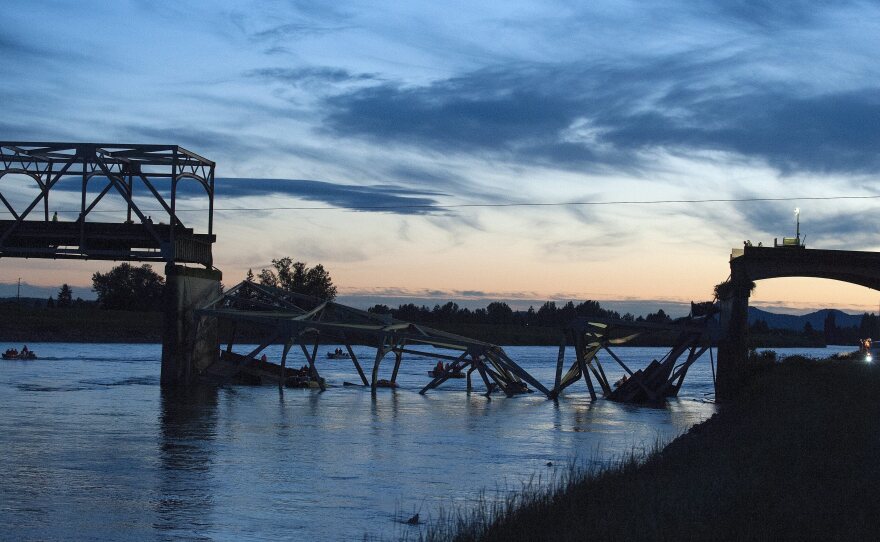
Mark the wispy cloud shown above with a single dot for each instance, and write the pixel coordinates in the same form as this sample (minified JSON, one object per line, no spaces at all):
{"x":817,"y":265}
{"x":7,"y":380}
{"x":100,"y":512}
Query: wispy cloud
{"x":231,"y":193}
{"x":601,"y":117}
{"x":290,"y":31}
{"x":309,"y":75}
{"x":374,"y":198}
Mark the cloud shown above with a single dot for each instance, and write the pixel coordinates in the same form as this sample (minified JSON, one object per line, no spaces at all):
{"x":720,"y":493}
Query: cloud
{"x":309,"y":75}
{"x":11,"y":47}
{"x":827,"y":228}
{"x":203,"y":141}
{"x":767,"y":14}
{"x":375,"y":198}
{"x":598,"y":117}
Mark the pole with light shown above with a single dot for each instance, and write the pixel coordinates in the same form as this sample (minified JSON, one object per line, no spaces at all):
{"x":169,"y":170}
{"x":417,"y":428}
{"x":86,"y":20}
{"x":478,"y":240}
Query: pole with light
{"x":797,"y":218}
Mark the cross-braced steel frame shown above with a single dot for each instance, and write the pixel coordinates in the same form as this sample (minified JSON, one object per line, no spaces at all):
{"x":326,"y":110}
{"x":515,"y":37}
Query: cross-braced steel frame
{"x":126,"y":171}
{"x":659,"y":380}
{"x":292,"y":320}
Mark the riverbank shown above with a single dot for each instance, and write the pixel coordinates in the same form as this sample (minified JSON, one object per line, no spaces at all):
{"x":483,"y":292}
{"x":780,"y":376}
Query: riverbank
{"x":796,"y":456}
{"x":94,"y":325}
{"x":78,"y":324}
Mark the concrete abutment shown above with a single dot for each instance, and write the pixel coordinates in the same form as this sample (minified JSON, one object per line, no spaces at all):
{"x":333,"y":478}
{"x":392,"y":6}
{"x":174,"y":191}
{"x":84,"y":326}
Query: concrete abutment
{"x":733,"y":348}
{"x":189,"y":343}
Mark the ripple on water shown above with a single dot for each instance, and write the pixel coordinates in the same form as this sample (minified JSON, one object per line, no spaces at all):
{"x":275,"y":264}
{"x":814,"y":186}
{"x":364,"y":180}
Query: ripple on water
{"x":122,"y":459}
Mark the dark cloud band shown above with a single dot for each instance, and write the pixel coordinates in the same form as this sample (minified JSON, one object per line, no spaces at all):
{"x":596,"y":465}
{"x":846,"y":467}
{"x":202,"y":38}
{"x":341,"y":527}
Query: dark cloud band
{"x":598,"y":117}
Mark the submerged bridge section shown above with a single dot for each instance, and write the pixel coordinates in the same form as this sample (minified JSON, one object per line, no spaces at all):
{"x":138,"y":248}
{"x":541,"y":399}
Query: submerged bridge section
{"x":295,"y":320}
{"x":753,"y":263}
{"x":662,"y":378}
{"x":110,"y":201}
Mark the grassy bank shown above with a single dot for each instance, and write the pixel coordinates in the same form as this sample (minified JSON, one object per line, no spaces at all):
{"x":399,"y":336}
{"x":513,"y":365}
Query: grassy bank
{"x":797,"y":456}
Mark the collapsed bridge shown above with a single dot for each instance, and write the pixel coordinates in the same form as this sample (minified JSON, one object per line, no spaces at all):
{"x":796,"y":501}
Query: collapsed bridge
{"x":292,"y":320}
{"x":108,"y":195}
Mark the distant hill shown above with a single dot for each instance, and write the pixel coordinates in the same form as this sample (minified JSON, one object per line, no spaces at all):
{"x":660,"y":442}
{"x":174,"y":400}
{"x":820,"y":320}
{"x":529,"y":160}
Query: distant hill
{"x":797,"y":322}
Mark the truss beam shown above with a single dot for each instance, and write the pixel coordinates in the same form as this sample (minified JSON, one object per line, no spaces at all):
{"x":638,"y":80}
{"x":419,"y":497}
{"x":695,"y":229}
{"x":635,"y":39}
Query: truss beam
{"x":127,"y":175}
{"x":295,"y":315}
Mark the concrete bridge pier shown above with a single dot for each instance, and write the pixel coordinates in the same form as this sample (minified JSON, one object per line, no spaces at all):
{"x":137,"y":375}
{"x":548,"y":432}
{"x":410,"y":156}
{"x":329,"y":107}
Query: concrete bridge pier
{"x":189,"y":344}
{"x":733,"y":348}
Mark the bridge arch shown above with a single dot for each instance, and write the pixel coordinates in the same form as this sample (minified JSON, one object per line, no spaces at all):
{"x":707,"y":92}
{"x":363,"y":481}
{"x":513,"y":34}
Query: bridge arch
{"x":752,"y":264}
{"x":855,"y":267}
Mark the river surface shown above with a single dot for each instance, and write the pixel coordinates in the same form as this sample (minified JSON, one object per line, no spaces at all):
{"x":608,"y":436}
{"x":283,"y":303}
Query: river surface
{"x":92,"y":449}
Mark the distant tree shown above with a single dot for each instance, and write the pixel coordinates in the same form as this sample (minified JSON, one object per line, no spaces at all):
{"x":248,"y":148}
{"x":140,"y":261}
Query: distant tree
{"x":129,"y":288}
{"x":531,"y":316}
{"x":547,"y":314}
{"x":703,"y":308}
{"x":659,"y":317}
{"x":567,"y":313}
{"x":868,"y":326}
{"x":50,"y":303}
{"x":446,"y":313}
{"x":65,"y":296}
{"x":499,"y":312}
{"x":760,"y":326}
{"x":379,"y":309}
{"x":830,"y":328}
{"x":268,"y":278}
{"x":299,"y":278}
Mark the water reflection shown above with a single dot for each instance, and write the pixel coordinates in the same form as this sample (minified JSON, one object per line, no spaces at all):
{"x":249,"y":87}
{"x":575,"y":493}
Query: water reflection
{"x":117,"y":458}
{"x":187,"y":429}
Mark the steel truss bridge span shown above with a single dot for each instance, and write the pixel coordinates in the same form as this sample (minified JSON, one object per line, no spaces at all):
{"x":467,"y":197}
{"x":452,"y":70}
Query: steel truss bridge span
{"x":132,"y":174}
{"x":299,"y":321}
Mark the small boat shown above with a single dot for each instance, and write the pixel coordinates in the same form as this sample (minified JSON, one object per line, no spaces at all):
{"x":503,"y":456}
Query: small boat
{"x":338,"y":355}
{"x":454,"y":374}
{"x":15,"y":354}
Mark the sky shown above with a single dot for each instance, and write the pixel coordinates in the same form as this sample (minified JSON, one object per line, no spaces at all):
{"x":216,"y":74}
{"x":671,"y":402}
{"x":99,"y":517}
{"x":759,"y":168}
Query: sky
{"x":316,"y":113}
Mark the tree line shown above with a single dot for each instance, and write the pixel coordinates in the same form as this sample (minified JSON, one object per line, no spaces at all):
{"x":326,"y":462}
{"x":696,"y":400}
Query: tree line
{"x":139,"y":288}
{"x":831,"y":333}
{"x":500,"y":313}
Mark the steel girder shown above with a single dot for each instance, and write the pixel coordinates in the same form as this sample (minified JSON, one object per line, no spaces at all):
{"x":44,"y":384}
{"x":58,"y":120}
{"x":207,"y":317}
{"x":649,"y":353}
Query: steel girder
{"x":127,"y":172}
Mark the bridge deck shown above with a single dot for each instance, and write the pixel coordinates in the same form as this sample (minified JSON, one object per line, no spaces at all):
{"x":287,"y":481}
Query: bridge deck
{"x":857,"y":267}
{"x":103,"y":241}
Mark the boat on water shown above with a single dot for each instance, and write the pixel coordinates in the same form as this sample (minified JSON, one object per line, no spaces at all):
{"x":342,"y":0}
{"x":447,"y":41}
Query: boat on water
{"x":15,"y":354}
{"x":338,"y":355}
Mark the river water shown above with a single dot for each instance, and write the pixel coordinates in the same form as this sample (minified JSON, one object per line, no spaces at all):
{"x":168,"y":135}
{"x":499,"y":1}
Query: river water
{"x":92,"y":448}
